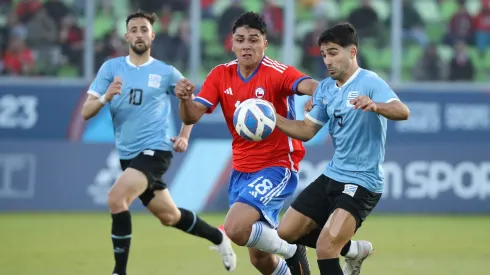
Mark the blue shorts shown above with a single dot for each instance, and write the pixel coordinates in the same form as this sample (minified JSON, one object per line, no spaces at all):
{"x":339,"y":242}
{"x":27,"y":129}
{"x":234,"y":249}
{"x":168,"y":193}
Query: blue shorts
{"x":265,"y":190}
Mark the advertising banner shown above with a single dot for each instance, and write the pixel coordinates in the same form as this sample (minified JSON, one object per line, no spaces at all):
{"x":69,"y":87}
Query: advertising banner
{"x":64,"y":176}
{"x":54,"y":112}
{"x":38,"y":112}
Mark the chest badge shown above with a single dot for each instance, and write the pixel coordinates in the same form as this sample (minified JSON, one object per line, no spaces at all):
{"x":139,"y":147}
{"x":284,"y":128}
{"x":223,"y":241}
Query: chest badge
{"x":154,"y":80}
{"x":350,"y":96}
{"x":259,"y":92}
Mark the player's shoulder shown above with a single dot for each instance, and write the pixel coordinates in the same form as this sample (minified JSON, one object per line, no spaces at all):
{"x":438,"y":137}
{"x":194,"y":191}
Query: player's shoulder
{"x":273,"y":66}
{"x":161,"y":65}
{"x":325,"y":85}
{"x":371,"y":79}
{"x":220,"y":69}
{"x":112,"y":63}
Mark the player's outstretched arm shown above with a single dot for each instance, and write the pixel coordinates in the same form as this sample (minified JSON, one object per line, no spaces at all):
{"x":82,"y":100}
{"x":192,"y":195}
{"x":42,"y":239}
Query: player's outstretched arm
{"x":303,"y":130}
{"x":307,"y":87}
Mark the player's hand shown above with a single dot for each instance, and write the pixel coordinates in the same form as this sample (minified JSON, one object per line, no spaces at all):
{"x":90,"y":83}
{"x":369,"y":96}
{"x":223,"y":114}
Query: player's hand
{"x":184,"y":89}
{"x":309,"y":105}
{"x":114,"y":89}
{"x":180,"y":143}
{"x":364,"y":103}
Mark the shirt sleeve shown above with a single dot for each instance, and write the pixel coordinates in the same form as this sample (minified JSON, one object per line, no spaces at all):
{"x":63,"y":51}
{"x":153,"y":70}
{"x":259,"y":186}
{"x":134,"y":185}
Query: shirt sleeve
{"x":176,"y":75}
{"x":318,"y":114}
{"x":101,"y":83}
{"x":292,"y":77}
{"x":209,"y":94}
{"x":381,"y":92}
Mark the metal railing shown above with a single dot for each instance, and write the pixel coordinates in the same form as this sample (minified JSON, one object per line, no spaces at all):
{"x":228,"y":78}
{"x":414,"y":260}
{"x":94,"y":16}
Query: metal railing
{"x":199,"y":58}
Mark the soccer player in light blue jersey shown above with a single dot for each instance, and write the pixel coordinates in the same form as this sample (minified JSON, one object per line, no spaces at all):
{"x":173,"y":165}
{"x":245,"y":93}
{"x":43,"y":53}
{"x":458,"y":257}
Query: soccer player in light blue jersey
{"x":354,"y":104}
{"x":137,"y":89}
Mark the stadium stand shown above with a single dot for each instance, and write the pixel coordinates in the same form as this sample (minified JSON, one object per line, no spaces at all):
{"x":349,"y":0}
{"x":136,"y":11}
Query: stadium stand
{"x":443,"y":40}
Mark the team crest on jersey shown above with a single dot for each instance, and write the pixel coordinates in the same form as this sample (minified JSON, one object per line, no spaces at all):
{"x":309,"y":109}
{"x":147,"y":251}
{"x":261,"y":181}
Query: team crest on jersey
{"x":154,"y":80}
{"x":259,"y":92}
{"x":350,"y":96}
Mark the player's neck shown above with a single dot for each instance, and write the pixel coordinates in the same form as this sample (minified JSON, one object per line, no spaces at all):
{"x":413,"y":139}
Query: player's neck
{"x":347,"y":76}
{"x":139,"y":60}
{"x":247,"y":71}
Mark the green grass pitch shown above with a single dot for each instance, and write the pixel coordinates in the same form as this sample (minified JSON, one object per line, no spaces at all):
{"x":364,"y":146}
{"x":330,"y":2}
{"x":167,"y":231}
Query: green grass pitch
{"x":60,"y":244}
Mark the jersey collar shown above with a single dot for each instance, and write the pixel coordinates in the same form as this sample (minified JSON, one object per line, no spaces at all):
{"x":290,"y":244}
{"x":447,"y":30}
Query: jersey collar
{"x":351,"y":78}
{"x":245,"y":80}
{"x":144,"y":64}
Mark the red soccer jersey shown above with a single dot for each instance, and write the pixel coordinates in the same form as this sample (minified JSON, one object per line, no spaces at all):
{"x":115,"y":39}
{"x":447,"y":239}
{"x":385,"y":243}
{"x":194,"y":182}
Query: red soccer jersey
{"x":271,"y":81}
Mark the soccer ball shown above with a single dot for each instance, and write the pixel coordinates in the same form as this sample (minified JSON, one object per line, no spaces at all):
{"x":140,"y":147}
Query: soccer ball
{"x":254,"y":119}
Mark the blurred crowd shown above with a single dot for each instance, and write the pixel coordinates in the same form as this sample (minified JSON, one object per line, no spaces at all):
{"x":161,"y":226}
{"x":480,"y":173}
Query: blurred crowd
{"x":443,"y":40}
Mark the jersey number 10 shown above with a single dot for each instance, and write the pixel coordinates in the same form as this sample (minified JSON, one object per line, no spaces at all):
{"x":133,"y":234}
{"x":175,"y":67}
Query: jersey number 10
{"x":135,"y":96}
{"x":339,"y":117}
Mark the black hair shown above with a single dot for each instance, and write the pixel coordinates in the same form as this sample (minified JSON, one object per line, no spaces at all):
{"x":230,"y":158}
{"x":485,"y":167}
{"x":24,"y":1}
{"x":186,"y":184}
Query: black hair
{"x":151,"y":17}
{"x":252,"y":20}
{"x":342,"y":34}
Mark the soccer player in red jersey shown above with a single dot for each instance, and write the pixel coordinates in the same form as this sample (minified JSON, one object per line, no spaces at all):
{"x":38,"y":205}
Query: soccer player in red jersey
{"x":264,"y":173}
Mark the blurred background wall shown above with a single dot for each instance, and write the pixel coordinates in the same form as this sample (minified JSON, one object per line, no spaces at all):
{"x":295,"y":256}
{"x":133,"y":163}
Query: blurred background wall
{"x":434,"y":53}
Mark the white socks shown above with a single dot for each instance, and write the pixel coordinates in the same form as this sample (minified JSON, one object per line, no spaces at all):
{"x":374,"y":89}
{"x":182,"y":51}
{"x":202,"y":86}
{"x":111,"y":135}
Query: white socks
{"x":265,"y":238}
{"x":282,"y":268}
{"x":353,"y":250}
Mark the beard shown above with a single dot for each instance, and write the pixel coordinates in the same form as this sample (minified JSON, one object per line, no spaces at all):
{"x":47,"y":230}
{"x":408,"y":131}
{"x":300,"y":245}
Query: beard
{"x":140,"y":50}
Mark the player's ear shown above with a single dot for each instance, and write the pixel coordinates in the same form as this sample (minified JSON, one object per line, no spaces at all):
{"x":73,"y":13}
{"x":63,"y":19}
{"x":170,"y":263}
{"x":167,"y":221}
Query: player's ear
{"x":126,"y":37}
{"x":266,"y":43}
{"x":353,"y":52}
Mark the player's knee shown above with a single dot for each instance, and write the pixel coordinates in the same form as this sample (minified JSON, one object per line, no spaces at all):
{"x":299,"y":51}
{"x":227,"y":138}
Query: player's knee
{"x":327,"y":248}
{"x":238,"y":233}
{"x":287,"y":234}
{"x":168,"y":218}
{"x":116,"y":203}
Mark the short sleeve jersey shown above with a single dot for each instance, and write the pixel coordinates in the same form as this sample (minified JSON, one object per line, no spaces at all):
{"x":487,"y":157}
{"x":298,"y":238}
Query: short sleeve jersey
{"x":358,"y":137}
{"x":140,"y":115}
{"x":271,"y":81}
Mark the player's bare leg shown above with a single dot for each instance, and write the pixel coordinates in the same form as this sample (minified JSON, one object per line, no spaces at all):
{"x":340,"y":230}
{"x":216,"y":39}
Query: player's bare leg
{"x":300,"y":229}
{"x":244,"y":228}
{"x":124,"y":191}
{"x":163,"y":207}
{"x":294,"y":226}
{"x":338,"y":230}
{"x":264,"y":262}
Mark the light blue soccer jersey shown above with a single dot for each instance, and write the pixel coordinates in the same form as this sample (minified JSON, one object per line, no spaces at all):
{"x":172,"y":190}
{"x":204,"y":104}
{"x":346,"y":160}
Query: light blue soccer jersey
{"x":358,"y":137}
{"x":140,"y":115}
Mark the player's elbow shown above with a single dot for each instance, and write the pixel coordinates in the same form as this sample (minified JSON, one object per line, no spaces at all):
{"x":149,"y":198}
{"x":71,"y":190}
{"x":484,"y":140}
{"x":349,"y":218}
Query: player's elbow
{"x":86,"y":115}
{"x":405,"y":112}
{"x":86,"y":112}
{"x":307,"y":137}
{"x":308,"y":130}
{"x":189,"y":121}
